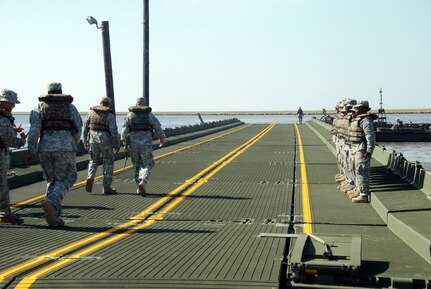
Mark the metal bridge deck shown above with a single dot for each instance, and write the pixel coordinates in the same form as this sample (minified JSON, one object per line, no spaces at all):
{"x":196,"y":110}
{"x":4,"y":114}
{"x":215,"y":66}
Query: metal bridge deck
{"x":213,"y":218}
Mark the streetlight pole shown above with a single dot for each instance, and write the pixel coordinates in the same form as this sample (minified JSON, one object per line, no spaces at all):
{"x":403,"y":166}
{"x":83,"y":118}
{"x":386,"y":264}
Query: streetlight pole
{"x":146,"y":56}
{"x":109,"y":82}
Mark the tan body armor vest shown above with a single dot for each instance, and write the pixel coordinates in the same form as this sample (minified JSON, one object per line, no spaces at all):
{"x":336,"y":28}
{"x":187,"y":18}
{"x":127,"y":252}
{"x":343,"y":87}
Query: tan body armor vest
{"x":56,"y":115}
{"x":99,"y":118}
{"x":139,"y":118}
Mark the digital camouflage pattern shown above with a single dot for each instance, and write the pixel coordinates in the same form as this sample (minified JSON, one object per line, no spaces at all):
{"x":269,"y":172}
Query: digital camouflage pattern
{"x":101,"y":143}
{"x":140,"y":145}
{"x":8,"y":137}
{"x":59,"y":170}
{"x":57,"y":153}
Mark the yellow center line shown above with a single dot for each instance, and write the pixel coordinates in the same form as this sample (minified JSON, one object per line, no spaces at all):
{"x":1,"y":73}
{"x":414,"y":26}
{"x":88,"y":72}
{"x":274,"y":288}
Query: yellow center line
{"x":306,"y":207}
{"x":27,"y":281}
{"x":135,"y":219}
{"x":34,"y":199}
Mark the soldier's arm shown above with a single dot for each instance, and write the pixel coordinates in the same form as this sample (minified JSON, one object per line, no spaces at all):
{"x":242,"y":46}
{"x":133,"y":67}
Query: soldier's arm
{"x":367,"y":125}
{"x":77,"y":123}
{"x":86,"y":130}
{"x":8,"y":136}
{"x":113,"y":130}
{"x":35,"y":128}
{"x":125,"y":132}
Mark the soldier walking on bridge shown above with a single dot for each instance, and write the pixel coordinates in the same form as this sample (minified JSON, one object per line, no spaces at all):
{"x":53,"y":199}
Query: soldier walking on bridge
{"x":137,"y":134}
{"x":8,"y":138}
{"x":55,"y":130}
{"x":100,"y":138}
{"x":300,"y":114}
{"x":363,"y":140}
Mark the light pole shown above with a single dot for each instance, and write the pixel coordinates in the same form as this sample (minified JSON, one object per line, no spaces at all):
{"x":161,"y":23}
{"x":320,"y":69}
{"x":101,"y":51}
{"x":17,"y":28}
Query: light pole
{"x":146,"y":56}
{"x":109,"y":83}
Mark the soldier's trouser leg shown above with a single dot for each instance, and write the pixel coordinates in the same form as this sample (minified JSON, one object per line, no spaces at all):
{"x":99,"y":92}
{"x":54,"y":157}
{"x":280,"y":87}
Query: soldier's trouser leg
{"x":147,"y":163}
{"x":108,"y":166}
{"x":362,"y":173}
{"x":95,"y":161}
{"x":339,"y":156}
{"x":135,"y":157}
{"x":4,"y":188}
{"x":59,"y":169}
{"x":350,"y":164}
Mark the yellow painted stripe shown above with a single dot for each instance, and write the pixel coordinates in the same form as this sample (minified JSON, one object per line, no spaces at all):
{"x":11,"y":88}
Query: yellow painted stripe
{"x":27,"y":281}
{"x":135,"y":219}
{"x":37,"y":198}
{"x":306,"y":207}
{"x":148,"y":211}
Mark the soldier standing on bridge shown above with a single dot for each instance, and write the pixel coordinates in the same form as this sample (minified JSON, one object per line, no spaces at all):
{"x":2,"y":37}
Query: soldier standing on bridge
{"x":347,"y":161}
{"x":55,"y":131}
{"x":138,"y":134}
{"x":8,"y":138}
{"x":100,"y":138}
{"x":363,"y":139}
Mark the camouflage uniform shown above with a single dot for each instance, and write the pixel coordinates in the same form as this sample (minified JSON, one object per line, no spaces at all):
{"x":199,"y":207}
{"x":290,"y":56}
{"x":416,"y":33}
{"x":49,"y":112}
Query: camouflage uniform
{"x":55,"y":130}
{"x":8,"y":138}
{"x":363,"y":138}
{"x":101,"y":134}
{"x":138,"y":134}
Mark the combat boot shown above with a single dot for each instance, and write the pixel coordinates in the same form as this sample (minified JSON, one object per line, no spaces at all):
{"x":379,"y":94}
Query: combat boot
{"x":346,"y":188}
{"x":141,"y":188}
{"x":60,"y":223}
{"x":49,"y":210}
{"x":89,"y":185}
{"x":11,"y":218}
{"x":360,"y":199}
{"x":109,"y":191}
{"x":353,"y":193}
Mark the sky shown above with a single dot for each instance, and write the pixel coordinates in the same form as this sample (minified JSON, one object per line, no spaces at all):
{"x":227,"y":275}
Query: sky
{"x":222,"y":55}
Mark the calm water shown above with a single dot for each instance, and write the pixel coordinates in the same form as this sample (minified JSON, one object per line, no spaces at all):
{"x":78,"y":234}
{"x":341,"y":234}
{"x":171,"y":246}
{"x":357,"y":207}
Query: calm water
{"x":412,"y":151}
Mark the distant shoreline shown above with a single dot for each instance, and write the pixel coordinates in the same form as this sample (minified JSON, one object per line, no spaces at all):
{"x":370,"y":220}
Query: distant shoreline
{"x":288,"y":112}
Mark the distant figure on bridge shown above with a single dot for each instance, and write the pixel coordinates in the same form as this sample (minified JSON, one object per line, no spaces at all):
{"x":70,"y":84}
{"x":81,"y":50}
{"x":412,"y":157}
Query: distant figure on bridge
{"x":55,"y":130}
{"x":324,"y":111}
{"x":100,"y":139}
{"x":398,"y":124}
{"x":137,"y":134}
{"x":8,"y":138}
{"x":300,"y":114}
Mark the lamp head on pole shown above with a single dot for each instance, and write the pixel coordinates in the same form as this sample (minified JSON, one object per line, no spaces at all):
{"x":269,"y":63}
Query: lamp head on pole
{"x":91,"y":20}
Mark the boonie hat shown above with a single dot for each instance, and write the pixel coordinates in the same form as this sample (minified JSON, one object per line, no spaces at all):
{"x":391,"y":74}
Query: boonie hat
{"x":54,"y":87}
{"x":362,"y":103}
{"x":8,"y":95}
{"x":141,"y":101}
{"x":106,"y":100}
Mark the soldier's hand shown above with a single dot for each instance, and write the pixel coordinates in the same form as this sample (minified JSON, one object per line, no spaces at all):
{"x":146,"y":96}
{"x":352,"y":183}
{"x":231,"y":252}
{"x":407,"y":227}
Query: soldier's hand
{"x":28,"y":159}
{"x":23,"y":135}
{"x":18,"y":128}
{"x":117,"y":149}
{"x":86,"y":146}
{"x":161,"y":142}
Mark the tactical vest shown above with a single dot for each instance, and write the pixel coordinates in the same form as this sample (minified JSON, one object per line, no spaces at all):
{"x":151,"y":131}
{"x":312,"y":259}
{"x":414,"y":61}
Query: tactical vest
{"x":356,"y":133}
{"x":343,"y":127}
{"x":99,"y":118}
{"x":56,"y":115}
{"x":9,"y":116}
{"x":139,"y":118}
